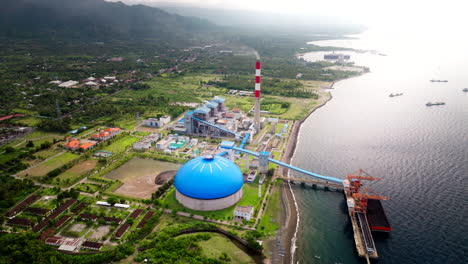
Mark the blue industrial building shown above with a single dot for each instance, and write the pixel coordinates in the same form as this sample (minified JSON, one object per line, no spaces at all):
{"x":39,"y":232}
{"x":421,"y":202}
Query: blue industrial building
{"x":209,"y":183}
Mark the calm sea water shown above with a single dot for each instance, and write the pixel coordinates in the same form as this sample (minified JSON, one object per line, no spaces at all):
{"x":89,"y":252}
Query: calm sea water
{"x":420,"y":152}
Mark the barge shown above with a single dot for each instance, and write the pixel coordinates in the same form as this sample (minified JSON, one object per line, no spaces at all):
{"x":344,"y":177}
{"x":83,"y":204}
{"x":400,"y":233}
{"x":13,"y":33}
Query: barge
{"x":378,"y":221}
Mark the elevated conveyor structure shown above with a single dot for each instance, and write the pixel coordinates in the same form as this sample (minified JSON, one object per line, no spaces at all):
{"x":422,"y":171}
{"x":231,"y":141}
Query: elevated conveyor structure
{"x":237,"y":135}
{"x":326,"y":178}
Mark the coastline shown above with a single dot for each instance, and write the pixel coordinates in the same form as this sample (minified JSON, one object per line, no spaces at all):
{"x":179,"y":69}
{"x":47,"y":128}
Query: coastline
{"x":290,"y":212}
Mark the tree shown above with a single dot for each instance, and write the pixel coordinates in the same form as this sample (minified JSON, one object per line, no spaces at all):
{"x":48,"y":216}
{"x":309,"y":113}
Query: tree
{"x":112,"y":200}
{"x":9,"y":150}
{"x":224,"y":257}
{"x":30,"y":144}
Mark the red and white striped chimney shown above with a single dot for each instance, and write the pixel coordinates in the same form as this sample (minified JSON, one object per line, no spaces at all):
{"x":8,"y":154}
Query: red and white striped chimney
{"x":258,"y":69}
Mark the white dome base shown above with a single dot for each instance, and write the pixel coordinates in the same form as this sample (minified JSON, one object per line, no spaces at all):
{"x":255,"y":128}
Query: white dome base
{"x":211,"y":204}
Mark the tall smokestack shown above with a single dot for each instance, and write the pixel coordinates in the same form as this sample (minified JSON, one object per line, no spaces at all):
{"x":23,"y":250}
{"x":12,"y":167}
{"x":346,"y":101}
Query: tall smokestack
{"x":258,"y":69}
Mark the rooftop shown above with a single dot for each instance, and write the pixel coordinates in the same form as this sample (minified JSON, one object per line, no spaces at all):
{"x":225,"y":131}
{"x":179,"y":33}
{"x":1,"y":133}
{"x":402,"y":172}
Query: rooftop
{"x":209,"y":177}
{"x":244,"y":209}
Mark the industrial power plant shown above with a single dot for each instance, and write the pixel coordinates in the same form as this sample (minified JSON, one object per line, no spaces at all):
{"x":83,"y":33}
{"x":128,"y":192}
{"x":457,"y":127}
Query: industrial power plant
{"x":215,"y":182}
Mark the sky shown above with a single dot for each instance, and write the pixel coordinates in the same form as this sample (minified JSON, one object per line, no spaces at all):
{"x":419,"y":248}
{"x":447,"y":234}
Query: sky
{"x":368,"y":12}
{"x":426,"y":15}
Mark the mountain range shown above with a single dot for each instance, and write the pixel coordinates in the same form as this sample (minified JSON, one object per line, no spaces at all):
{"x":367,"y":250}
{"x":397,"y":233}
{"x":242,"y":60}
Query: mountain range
{"x":95,"y":19}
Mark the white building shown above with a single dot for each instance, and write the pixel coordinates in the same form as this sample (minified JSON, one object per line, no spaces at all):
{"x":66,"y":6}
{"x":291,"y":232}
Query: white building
{"x":68,"y":84}
{"x":125,"y":206}
{"x":146,"y":142}
{"x":164,"y":120}
{"x":91,"y":84}
{"x":244,"y":212}
{"x":252,"y":176}
{"x":154,"y":122}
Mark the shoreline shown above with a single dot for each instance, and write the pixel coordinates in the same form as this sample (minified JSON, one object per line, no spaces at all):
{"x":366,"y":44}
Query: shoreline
{"x":289,"y":216}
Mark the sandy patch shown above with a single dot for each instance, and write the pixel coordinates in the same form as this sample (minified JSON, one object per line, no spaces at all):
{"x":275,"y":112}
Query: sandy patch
{"x":142,"y":187}
{"x":99,"y":232}
{"x":77,"y":228}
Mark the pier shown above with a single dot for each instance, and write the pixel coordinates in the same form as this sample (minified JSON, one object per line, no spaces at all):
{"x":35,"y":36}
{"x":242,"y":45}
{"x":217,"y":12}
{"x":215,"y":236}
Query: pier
{"x":313,"y":182}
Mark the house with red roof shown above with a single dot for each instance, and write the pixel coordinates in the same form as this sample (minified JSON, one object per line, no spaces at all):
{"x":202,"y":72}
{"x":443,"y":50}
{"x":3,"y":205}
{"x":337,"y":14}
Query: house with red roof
{"x":87,"y":145}
{"x":73,"y":144}
{"x":106,"y":134}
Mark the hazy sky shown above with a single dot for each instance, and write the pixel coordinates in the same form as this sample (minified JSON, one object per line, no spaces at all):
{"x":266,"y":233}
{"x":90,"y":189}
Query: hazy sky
{"x":370,"y":12}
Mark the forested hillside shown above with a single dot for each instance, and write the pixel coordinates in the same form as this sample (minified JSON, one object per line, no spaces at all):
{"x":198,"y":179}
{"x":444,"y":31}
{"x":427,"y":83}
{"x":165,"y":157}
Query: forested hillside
{"x":94,"y":19}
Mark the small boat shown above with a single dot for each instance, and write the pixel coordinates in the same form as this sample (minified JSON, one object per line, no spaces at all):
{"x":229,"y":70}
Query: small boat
{"x":465,"y":90}
{"x":397,"y":94}
{"x":436,"y":103}
{"x":317,"y":257}
{"x":439,"y":80}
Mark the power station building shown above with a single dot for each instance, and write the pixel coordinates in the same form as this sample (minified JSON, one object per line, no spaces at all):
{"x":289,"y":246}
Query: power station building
{"x":213,"y":119}
{"x":209,"y":183}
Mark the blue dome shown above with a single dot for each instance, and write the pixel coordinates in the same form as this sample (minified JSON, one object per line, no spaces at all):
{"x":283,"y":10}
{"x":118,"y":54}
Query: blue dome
{"x":209,"y":177}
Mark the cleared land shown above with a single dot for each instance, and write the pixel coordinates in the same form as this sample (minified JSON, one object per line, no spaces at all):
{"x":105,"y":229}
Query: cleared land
{"x":75,"y":172}
{"x":138,"y":176}
{"x":99,"y":232}
{"x":44,"y":168}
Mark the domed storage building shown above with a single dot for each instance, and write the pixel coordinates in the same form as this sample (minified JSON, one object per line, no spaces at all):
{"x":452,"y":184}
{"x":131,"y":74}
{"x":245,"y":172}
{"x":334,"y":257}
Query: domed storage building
{"x":209,"y":183}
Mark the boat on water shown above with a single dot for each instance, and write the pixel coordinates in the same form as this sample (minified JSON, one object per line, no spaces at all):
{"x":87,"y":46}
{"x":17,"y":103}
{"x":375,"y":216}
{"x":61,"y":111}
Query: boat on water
{"x":439,"y":80}
{"x":436,"y":103}
{"x":396,"y":94}
{"x":465,"y":90}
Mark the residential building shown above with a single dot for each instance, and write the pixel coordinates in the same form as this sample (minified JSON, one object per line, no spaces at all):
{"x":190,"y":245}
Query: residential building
{"x":73,"y":144}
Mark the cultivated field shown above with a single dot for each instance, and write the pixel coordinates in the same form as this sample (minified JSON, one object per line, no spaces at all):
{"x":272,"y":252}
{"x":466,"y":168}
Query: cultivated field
{"x":70,"y":175}
{"x":138,"y":176}
{"x":121,"y":144}
{"x":51,"y":164}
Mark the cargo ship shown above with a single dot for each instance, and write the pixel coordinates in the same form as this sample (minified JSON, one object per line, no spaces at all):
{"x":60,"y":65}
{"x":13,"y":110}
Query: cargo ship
{"x":439,"y":80}
{"x":436,"y":103}
{"x":378,"y":221}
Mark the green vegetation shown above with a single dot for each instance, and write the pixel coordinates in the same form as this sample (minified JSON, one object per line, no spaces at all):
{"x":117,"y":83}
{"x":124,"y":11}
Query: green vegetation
{"x":274,"y":106}
{"x":219,"y":247}
{"x":121,"y":144}
{"x":88,"y":187}
{"x":51,"y":164}
{"x":250,"y":197}
{"x":75,"y":173}
{"x":26,"y":248}
{"x":269,"y":223}
{"x":12,"y":191}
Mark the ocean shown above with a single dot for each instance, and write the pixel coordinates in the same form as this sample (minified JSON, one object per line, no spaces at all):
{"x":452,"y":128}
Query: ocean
{"x":420,"y":152}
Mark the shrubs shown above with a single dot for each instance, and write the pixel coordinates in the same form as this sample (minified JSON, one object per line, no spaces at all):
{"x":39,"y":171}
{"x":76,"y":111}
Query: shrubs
{"x":161,"y":190}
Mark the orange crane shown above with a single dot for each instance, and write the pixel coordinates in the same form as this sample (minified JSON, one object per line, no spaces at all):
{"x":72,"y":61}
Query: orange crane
{"x":360,"y":200}
{"x":355,"y":181}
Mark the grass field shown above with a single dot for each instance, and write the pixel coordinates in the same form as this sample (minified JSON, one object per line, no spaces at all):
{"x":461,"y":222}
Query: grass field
{"x":270,"y":220}
{"x":45,"y":167}
{"x":71,"y":175}
{"x":88,"y":187}
{"x":121,"y":144}
{"x":37,"y":137}
{"x":299,"y":107}
{"x":218,"y":244}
